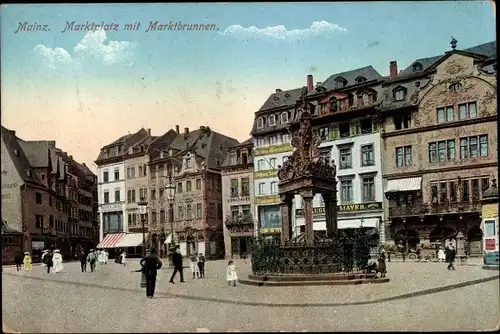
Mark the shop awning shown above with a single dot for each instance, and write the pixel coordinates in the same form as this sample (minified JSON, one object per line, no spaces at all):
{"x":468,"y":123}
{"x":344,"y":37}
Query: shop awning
{"x":131,"y":240}
{"x":111,"y":240}
{"x":409,"y":184}
{"x":357,"y":223}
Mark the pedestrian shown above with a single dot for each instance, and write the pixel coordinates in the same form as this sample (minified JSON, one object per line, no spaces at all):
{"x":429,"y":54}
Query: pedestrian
{"x":43,"y":257}
{"x":231,"y":273}
{"x":123,"y":258}
{"x":451,"y":256}
{"x":100,"y":257}
{"x":441,"y":255}
{"x":19,"y":261}
{"x":150,"y":264}
{"x":194,"y":266}
{"x":201,"y":264}
{"x":382,"y":268}
{"x":105,"y":256}
{"x":92,"y":258}
{"x":47,"y":259}
{"x":27,"y":261}
{"x":83,"y":260}
{"x":58,"y":261}
{"x":177,"y":262}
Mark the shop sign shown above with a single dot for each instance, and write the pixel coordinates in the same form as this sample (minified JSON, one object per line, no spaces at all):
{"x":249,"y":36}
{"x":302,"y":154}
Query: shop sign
{"x":267,"y":200}
{"x":265,"y":174}
{"x":272,"y":150}
{"x":490,"y":211}
{"x":110,"y":207}
{"x":270,"y":230}
{"x":37,"y":245}
{"x":320,"y":211}
{"x":490,"y":244}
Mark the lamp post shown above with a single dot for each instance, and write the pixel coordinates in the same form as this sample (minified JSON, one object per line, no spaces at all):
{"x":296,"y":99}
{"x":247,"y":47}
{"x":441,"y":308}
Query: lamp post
{"x":170,"y":199}
{"x":143,"y":209}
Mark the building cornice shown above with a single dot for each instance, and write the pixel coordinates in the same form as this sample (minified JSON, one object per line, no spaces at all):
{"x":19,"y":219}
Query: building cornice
{"x":440,"y":126}
{"x":109,"y":161}
{"x":438,"y":170}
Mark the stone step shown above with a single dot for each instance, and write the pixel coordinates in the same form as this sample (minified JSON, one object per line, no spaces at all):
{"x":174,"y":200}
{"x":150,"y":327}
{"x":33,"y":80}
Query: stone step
{"x":304,"y":283}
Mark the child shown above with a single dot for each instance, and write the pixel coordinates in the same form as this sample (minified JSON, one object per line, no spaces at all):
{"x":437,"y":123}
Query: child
{"x":201,"y":265}
{"x":441,"y":255}
{"x":27,"y":261}
{"x":231,"y":273}
{"x":381,"y":262}
{"x":19,"y":261}
{"x":194,"y":266}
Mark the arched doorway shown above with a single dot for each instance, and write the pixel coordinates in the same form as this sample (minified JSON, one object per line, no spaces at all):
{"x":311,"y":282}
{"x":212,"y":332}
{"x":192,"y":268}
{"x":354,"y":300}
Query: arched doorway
{"x":440,"y":234}
{"x":475,"y":241}
{"x":408,"y":238}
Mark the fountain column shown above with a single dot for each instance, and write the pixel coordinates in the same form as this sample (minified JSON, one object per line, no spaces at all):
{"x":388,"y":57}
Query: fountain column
{"x":308,"y":216}
{"x":285,"y":219}
{"x":331,"y":214}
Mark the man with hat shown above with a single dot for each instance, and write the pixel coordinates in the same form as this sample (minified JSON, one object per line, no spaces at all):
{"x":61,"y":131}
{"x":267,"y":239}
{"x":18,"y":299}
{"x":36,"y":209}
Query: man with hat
{"x":47,"y":259}
{"x":150,"y":265}
{"x":92,"y":259}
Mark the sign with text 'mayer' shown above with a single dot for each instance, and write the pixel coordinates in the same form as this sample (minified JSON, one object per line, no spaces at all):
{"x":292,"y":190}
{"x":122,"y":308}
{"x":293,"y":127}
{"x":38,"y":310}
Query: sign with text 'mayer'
{"x":267,"y":200}
{"x":319,"y":211}
{"x":110,"y":207}
{"x":270,"y":230}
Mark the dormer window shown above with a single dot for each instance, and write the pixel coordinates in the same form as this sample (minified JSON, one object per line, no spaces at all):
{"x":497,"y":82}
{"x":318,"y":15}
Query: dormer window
{"x":366,"y":99}
{"x":142,"y":148}
{"x":340,"y":82}
{"x":399,"y":93}
{"x":272,"y":120}
{"x":455,"y":87}
{"x":284,"y":118}
{"x":106,"y":153}
{"x":260,"y":123}
{"x":130,"y":150}
{"x":188,"y":163}
{"x":161,"y":155}
{"x":287,"y":95}
{"x":333,"y":104}
{"x":360,"y":79}
{"x":417,"y":67}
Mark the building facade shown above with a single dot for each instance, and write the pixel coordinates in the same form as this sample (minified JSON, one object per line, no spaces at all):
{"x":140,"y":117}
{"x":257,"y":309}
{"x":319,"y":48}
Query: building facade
{"x":110,"y":163}
{"x":193,"y":164}
{"x":439,"y":143}
{"x":238,"y":200}
{"x":272,"y":146}
{"x":47,"y":199}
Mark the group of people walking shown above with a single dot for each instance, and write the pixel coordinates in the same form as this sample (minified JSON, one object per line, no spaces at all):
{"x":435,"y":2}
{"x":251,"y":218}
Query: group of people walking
{"x":92,"y":258}
{"x":52,"y":259}
{"x":23,"y":260}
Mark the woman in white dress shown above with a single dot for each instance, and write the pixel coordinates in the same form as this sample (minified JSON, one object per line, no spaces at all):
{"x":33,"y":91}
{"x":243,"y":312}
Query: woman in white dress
{"x":441,"y":254}
{"x":43,"y":255}
{"x":105,"y":256}
{"x":100,"y":257}
{"x":57,"y":260}
{"x":231,"y":273}
{"x":124,"y":257}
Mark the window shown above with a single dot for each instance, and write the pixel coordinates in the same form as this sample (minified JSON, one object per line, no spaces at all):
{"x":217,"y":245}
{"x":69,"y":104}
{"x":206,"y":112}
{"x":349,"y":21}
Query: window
{"x":453,"y":191}
{"x":179,"y":187}
{"x":272,"y":140}
{"x":366,"y":126}
{"x":368,"y":189}
{"x":284,"y":118}
{"x":344,"y":130}
{"x":131,"y":196}
{"x":366,"y":99}
{"x":346,"y":191}
{"x":271,"y":120}
{"x":143,"y":193}
{"x":188,"y":163}
{"x":445,"y":115}
{"x":244,"y":158}
{"x":367,"y":155}
{"x":432,"y":152}
{"x":211,"y":209}
{"x":128,"y":173}
{"x":274,"y":187}
{"x":188,"y":185}
{"x":117,"y":174}
{"x":260,"y":123}
{"x":483,"y":145}
{"x":434,"y":192}
{"x":325,"y":154}
{"x":105,"y":176}
{"x":272,"y":162}
{"x":38,"y":198}
{"x":485,"y":183}
{"x":455,"y":87}
{"x":260,"y":164}
{"x":153,"y":194}
{"x":402,"y":121}
{"x":179,"y":212}
{"x":489,"y":228}
{"x":465,"y":191}
{"x":450,"y":150}
{"x":403,"y":156}
{"x":261,"y":188}
{"x":189,"y":212}
{"x":285,"y":138}
{"x":235,"y":212}
{"x":234,"y":188}
{"x":340,"y":82}
{"x":324,"y":108}
{"x":140,"y":171}
{"x":153,"y":216}
{"x":399,"y":94}
{"x":162,"y":193}
{"x":475,"y":189}
{"x":442,"y":151}
{"x":198,"y":184}
{"x":467,"y":111}
{"x":417,"y":67}
{"x":39,"y":221}
{"x":162,"y":216}
{"x":345,"y":158}
{"x":106,"y":197}
{"x":117,"y":195}
{"x":323,"y":133}
{"x":199,"y":210}
{"x":245,"y":186}
{"x":443,"y":192}
{"x":464,"y":148}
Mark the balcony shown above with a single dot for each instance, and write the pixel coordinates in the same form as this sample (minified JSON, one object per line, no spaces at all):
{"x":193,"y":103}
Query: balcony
{"x":239,"y":220}
{"x":345,"y":165}
{"x":239,"y":197}
{"x":436,"y":208}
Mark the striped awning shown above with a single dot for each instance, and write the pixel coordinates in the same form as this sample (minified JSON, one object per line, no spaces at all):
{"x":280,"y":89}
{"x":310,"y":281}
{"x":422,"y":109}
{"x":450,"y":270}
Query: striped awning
{"x":131,"y":240}
{"x":409,"y":184}
{"x":111,"y":240}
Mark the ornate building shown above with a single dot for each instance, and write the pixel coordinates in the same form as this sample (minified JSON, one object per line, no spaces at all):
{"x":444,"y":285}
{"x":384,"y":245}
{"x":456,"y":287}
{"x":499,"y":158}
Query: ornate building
{"x":238,"y":200}
{"x":193,"y":164}
{"x":439,"y":143}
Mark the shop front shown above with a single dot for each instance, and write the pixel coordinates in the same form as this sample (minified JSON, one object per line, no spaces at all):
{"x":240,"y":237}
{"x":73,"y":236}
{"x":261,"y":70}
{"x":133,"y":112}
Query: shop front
{"x":11,"y":243}
{"x":270,"y":221}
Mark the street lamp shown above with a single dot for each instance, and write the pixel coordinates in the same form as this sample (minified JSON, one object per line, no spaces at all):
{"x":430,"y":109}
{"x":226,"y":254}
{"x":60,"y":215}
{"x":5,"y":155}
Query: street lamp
{"x":170,"y":199}
{"x":143,"y":209}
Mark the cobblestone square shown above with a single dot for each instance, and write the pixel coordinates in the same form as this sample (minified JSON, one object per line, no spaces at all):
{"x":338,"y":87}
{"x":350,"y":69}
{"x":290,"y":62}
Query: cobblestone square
{"x":420,"y":296}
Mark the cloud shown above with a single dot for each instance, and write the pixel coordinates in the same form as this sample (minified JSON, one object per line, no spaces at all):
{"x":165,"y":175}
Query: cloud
{"x":318,"y":28}
{"x":93,"y":45}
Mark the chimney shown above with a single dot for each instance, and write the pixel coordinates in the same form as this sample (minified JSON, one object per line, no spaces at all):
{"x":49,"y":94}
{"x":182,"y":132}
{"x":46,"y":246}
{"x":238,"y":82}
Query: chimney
{"x":71,"y":157}
{"x":149,"y":132}
{"x":278,"y":90}
{"x":393,"y":69}
{"x":309,"y":83}
{"x":177,"y":129}
{"x":202,"y":127}
{"x":186,"y":131}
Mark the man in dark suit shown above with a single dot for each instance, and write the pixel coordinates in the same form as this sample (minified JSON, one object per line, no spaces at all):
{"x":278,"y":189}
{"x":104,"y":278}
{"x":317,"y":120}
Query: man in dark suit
{"x":150,"y":265}
{"x":177,"y":262}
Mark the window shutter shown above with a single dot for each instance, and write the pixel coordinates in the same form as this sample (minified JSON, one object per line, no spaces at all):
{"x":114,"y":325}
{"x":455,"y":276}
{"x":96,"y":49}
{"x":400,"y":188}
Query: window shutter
{"x":354,"y":128}
{"x":334,"y":132}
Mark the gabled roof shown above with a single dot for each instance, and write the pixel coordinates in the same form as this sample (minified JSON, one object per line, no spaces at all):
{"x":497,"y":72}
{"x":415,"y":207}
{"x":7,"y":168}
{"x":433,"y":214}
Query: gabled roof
{"x":367,"y":72}
{"x":20,"y":160}
{"x":282,"y":99}
{"x":37,"y":151}
{"x":125,"y":141}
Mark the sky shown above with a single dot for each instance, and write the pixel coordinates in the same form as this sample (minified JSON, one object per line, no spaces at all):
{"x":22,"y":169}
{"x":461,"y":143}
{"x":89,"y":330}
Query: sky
{"x":85,"y":88}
